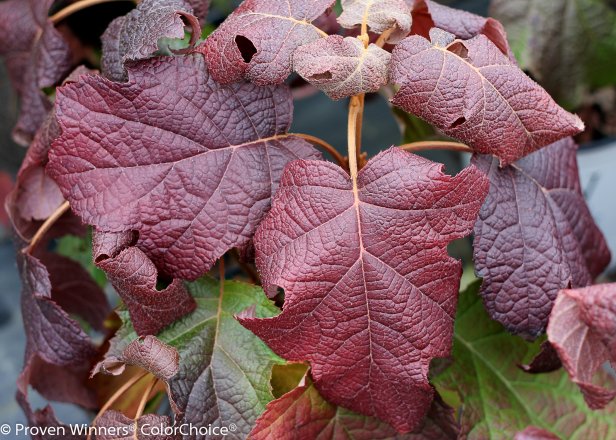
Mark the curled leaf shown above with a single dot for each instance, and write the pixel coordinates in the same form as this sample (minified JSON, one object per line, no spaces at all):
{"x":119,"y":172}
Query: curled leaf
{"x":258,"y":39}
{"x":472,"y":92}
{"x":378,"y":15}
{"x":535,"y":235}
{"x":370,"y":291}
{"x":342,"y":67}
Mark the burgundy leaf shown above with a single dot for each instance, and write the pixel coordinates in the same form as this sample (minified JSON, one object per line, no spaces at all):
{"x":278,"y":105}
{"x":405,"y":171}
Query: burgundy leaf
{"x":193,"y":175}
{"x":37,"y":56}
{"x":135,"y":36}
{"x":428,"y":14}
{"x":342,"y":67}
{"x":535,"y":236}
{"x":257,"y":41}
{"x":378,"y":15}
{"x":545,"y":362}
{"x":304,"y":414}
{"x":473,"y":92}
{"x":534,"y":433}
{"x":200,"y":8}
{"x":370,"y":292}
{"x":134,"y":277}
{"x":49,"y":428}
{"x":582,"y":328}
{"x":114,"y":425}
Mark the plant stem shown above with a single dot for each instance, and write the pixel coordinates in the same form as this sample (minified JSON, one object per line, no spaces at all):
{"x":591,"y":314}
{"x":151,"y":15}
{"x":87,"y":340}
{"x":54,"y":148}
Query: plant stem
{"x":359,"y":126}
{"x":144,"y":399}
{"x":75,"y":7}
{"x":382,"y":40}
{"x":45,"y":227}
{"x":327,"y":147}
{"x":354,"y":110}
{"x":436,"y":145}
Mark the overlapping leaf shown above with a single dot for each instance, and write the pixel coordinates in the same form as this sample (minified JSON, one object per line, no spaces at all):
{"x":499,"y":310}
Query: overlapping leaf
{"x":114,"y":425}
{"x":304,"y":414}
{"x":37,"y":56}
{"x":582,"y":329}
{"x":193,"y":174}
{"x":258,"y":40}
{"x":498,"y":398}
{"x":534,"y":433}
{"x":378,"y":15}
{"x":370,"y":292}
{"x":535,"y":236}
{"x":471,"y":91}
{"x":134,"y":277}
{"x":224,"y":370}
{"x":567,"y":45}
{"x":343,"y":67}
{"x":135,"y":36}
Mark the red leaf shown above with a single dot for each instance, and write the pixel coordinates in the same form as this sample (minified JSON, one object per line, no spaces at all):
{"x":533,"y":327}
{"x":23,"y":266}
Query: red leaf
{"x":535,"y":236}
{"x":582,"y":328}
{"x":379,"y":16}
{"x":472,"y":92}
{"x":534,"y":433}
{"x":193,"y":175}
{"x":546,"y":361}
{"x":370,"y":293}
{"x":257,"y":41}
{"x":134,"y":277}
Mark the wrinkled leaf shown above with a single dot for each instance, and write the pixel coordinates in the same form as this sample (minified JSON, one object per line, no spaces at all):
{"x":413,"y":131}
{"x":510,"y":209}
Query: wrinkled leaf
{"x":472,"y":92}
{"x":114,"y":425}
{"x":535,"y":236}
{"x":304,"y":414}
{"x":193,"y":175}
{"x":370,"y":292}
{"x":378,"y":15}
{"x":258,"y":40}
{"x":534,"y":433}
{"x":135,"y":36}
{"x":342,"y":67}
{"x":582,"y":329}
{"x":499,"y":399}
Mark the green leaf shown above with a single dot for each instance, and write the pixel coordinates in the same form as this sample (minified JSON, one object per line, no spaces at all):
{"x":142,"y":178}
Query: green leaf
{"x":225,"y":370}
{"x":498,"y":398}
{"x":79,"y":249}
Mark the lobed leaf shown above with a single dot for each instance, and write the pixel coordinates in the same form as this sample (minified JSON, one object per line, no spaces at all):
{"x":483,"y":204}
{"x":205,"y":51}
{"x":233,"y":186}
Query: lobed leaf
{"x":378,"y":15}
{"x":582,"y":329}
{"x":258,"y":39}
{"x":370,"y":292}
{"x":193,"y":175}
{"x":498,"y":398}
{"x":472,"y":92}
{"x":343,"y":67}
{"x":535,"y":236}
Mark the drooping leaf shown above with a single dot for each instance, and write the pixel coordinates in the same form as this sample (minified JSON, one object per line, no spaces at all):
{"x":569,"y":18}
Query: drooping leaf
{"x":378,"y":15}
{"x":134,"y":277}
{"x":498,"y":398}
{"x":370,"y":292}
{"x":224,"y":371}
{"x":535,"y":236}
{"x":428,"y":14}
{"x":193,"y":175}
{"x":43,"y":422}
{"x":567,"y":45}
{"x":258,"y":40}
{"x":471,"y":91}
{"x":37,"y":56}
{"x":135,"y":36}
{"x":304,"y":414}
{"x":114,"y":425}
{"x":545,"y":362}
{"x":582,"y":329}
{"x":342,"y":67}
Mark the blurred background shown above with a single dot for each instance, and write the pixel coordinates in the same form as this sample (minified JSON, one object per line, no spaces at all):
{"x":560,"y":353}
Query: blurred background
{"x":585,"y":86}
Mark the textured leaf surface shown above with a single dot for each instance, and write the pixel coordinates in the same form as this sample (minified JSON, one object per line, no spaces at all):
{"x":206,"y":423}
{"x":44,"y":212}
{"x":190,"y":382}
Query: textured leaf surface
{"x":258,"y":40}
{"x":370,"y":292}
{"x":378,"y":15}
{"x":224,"y":372}
{"x":535,"y":236}
{"x":134,"y":277}
{"x":343,"y":67}
{"x":534,"y":433}
{"x":566,"y":45}
{"x":582,"y":329}
{"x":304,"y":414}
{"x":471,"y":91}
{"x":135,"y":36}
{"x":116,"y":426}
{"x":193,"y":175}
{"x":36,"y":55}
{"x":499,"y":399}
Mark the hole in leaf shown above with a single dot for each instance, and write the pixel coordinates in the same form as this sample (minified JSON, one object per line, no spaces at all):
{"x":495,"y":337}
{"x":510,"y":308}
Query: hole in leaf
{"x":461,"y":120}
{"x":162,"y":282}
{"x":459,"y":49}
{"x":321,"y":76}
{"x":246,"y":48}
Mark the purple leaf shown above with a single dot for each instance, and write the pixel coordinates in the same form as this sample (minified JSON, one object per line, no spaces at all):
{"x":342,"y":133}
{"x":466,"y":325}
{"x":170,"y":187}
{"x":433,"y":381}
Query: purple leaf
{"x":379,"y":16}
{"x":114,"y":425}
